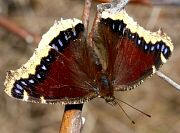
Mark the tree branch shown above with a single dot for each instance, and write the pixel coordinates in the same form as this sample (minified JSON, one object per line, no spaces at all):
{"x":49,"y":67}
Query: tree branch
{"x":167,"y":79}
{"x":149,"y":2}
{"x":86,"y":14}
{"x":72,"y":121}
{"x":131,"y":1}
{"x":12,"y":27}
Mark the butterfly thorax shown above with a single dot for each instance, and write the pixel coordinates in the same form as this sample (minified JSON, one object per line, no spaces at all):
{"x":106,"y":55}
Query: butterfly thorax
{"x":105,"y":87}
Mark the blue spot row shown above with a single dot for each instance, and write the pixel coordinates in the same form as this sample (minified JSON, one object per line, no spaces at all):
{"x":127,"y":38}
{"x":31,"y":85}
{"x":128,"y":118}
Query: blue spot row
{"x":62,"y":41}
{"x":116,"y":25}
{"x":119,"y":27}
{"x":18,"y":90}
{"x":30,"y":83}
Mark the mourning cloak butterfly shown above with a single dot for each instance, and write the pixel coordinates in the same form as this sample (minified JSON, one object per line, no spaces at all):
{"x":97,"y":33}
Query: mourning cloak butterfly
{"x":65,"y":69}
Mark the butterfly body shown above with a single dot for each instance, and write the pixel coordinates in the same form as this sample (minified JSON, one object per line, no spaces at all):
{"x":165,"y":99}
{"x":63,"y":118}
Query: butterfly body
{"x":106,"y":88}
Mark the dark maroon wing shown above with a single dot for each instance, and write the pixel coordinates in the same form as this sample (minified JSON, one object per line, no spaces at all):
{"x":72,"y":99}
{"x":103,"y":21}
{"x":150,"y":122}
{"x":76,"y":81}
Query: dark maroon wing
{"x":128,"y":53}
{"x":65,"y":72}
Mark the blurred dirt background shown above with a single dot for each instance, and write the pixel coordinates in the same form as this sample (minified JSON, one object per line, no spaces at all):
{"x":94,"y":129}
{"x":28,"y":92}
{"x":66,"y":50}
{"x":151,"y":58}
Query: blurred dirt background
{"x":154,"y":97}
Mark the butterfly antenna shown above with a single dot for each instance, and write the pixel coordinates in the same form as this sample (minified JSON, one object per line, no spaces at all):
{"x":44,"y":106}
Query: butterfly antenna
{"x":124,"y":112}
{"x":134,"y":108}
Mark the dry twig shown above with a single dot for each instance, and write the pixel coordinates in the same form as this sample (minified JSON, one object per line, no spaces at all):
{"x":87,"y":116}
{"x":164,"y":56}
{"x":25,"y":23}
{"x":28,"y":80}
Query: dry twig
{"x":149,"y":2}
{"x":167,"y":79}
{"x":132,"y":1}
{"x":72,"y":120}
{"x":86,"y":14}
{"x":12,"y":27}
